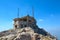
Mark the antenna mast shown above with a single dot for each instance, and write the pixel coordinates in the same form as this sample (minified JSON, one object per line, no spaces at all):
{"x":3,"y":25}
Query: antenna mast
{"x":18,"y":13}
{"x":32,"y":11}
{"x":27,"y":18}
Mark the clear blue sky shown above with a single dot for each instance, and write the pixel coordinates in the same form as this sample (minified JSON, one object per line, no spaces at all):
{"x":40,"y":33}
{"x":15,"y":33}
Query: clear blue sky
{"x":47,"y":13}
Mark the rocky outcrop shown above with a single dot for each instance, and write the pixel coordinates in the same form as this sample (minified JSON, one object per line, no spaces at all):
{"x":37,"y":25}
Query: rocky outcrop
{"x":26,"y":33}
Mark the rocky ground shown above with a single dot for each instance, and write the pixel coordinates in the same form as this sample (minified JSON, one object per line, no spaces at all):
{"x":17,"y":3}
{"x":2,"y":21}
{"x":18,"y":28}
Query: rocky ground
{"x":26,"y":34}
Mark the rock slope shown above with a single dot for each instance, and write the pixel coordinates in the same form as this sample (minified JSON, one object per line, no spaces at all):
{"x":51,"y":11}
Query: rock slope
{"x":26,"y":33}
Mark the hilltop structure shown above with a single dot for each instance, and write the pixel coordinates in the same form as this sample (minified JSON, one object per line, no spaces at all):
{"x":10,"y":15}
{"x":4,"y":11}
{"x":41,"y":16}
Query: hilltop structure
{"x":25,"y":28}
{"x":26,"y":21}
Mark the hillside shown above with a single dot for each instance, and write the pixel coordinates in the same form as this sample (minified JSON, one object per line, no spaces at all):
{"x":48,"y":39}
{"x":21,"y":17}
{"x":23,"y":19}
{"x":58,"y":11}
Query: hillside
{"x":25,"y":28}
